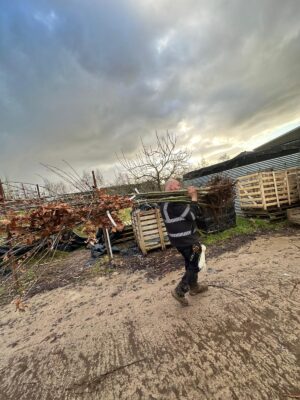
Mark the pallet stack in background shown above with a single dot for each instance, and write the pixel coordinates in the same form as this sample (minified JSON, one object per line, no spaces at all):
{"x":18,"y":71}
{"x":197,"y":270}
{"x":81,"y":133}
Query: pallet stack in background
{"x":269,"y":193}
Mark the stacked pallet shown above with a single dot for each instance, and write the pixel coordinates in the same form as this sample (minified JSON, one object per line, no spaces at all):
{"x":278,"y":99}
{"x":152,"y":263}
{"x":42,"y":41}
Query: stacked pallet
{"x":269,"y":193}
{"x":127,"y":235}
{"x":149,"y":230}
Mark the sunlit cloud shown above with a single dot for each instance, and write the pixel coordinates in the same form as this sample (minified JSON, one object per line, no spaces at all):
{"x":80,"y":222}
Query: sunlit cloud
{"x":83,"y":81}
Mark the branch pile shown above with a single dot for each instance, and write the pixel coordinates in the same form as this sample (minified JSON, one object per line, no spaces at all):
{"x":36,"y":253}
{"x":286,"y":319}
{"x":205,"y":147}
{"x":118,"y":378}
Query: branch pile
{"x":54,"y":217}
{"x":31,"y":235}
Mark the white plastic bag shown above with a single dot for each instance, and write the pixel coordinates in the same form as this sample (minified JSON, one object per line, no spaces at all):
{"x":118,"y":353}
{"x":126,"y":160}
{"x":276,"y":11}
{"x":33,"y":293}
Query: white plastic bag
{"x":202,"y":262}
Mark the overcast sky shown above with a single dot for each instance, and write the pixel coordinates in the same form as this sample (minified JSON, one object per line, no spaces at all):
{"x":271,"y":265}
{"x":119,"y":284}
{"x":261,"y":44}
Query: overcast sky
{"x":82,"y":80}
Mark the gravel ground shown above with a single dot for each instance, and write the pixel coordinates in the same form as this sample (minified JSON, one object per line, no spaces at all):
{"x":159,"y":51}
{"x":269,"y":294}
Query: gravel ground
{"x":122,"y":336}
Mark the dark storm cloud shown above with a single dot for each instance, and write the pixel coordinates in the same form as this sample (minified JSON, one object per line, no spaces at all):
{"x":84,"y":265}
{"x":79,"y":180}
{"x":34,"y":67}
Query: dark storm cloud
{"x":83,"y":80}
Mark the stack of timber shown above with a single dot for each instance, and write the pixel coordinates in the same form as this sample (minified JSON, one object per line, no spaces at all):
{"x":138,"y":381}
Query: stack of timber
{"x":269,"y":193}
{"x":149,"y":230}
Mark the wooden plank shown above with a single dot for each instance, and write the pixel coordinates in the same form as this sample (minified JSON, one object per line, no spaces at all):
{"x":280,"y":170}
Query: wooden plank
{"x":274,"y":203}
{"x":141,"y":236}
{"x":248,"y":176}
{"x":249,"y":192}
{"x":153,"y":245}
{"x":160,"y":230}
{"x":147,"y":218}
{"x":245,"y":191}
{"x":152,"y":236}
{"x":151,"y":232}
{"x":288,"y":188}
{"x":262,"y":191}
{"x":150,"y":222}
{"x":251,"y":197}
{"x":148,"y":226}
{"x":298,"y":182}
{"x":249,"y":187}
{"x":246,"y":206}
{"x":124,"y":240}
{"x":107,"y":243}
{"x":155,"y":241}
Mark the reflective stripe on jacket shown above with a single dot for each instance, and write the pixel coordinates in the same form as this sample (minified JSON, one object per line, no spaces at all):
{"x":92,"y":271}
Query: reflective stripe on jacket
{"x":180,"y":219}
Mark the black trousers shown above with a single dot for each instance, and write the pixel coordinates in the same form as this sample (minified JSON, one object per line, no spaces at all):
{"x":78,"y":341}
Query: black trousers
{"x":190,"y":277}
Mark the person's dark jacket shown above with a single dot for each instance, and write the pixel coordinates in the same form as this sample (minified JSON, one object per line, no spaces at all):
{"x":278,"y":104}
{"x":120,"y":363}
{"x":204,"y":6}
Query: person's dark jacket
{"x":180,"y":221}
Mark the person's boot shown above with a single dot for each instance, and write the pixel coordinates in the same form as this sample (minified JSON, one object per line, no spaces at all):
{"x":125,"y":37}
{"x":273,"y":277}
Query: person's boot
{"x":180,"y":298}
{"x":198,"y":288}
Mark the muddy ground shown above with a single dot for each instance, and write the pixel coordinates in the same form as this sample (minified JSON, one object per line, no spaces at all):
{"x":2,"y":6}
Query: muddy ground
{"x":122,"y":336}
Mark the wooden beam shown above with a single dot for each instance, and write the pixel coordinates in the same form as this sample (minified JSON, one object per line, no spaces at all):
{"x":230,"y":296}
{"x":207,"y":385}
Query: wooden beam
{"x":2,"y":195}
{"x":276,"y":192}
{"x":160,"y":229}
{"x":288,"y":187}
{"x":107,"y":244}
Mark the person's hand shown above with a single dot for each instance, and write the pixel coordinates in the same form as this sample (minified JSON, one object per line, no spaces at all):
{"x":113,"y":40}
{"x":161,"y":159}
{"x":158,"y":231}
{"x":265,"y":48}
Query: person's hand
{"x":192,"y":192}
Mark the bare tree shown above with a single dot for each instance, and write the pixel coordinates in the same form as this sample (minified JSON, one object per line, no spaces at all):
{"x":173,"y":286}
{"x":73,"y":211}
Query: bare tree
{"x":224,"y":157}
{"x":204,"y":163}
{"x":157,"y":163}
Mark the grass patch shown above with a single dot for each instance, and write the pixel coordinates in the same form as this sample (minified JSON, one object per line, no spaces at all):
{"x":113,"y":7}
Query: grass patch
{"x":125,"y":215}
{"x":79,"y":230}
{"x":101,"y":266}
{"x":244,"y":226}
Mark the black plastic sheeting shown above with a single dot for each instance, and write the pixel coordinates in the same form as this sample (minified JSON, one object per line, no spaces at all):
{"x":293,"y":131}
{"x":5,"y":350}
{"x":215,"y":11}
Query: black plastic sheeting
{"x":99,"y":249}
{"x":16,"y":251}
{"x":245,"y":158}
{"x":69,"y":242}
{"x":209,"y":221}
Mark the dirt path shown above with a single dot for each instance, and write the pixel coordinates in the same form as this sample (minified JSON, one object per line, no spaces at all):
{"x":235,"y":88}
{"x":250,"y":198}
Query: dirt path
{"x":124,"y":337}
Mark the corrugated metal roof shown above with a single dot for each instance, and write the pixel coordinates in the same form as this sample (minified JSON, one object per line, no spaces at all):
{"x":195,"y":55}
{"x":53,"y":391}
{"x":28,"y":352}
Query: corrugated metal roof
{"x":245,"y":159}
{"x":289,"y":137}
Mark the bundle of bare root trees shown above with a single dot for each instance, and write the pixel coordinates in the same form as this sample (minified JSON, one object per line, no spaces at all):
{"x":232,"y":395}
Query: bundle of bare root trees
{"x":217,"y":193}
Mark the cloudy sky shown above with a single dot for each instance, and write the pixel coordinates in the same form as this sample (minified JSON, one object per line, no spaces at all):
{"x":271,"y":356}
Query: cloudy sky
{"x":82,"y":80}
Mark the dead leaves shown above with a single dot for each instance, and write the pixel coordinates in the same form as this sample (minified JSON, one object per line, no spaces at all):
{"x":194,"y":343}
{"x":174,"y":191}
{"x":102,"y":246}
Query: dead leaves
{"x":52,"y":218}
{"x":20,"y":306}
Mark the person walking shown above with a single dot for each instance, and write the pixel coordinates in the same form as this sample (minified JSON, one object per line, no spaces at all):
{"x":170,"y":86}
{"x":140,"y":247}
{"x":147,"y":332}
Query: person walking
{"x":180,"y":222}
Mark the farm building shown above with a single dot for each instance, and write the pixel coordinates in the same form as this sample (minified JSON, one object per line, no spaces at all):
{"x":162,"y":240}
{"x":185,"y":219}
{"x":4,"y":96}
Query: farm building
{"x":278,"y":154}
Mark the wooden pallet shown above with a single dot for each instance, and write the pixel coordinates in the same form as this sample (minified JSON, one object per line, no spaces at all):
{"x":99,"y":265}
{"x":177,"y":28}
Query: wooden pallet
{"x":269,"y":190}
{"x":272,"y":213}
{"x":127,"y":235}
{"x":149,"y":230}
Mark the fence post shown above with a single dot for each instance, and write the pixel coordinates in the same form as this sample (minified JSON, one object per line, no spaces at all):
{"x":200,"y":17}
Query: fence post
{"x":38,"y":191}
{"x":94,"y":180}
{"x":2,"y":195}
{"x":107,"y":244}
{"x":24,"y":191}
